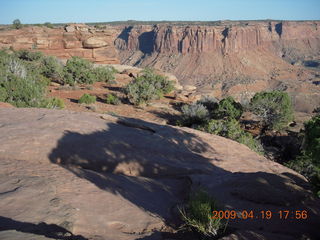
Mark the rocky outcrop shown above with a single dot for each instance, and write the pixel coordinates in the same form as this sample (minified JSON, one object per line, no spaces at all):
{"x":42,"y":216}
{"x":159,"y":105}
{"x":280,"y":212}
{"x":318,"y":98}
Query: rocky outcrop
{"x":73,"y":40}
{"x":94,"y":42}
{"x":68,"y":175}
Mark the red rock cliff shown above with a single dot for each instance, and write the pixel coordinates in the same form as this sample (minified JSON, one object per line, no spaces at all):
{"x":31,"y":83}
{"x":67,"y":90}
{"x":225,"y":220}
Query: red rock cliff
{"x":75,"y":40}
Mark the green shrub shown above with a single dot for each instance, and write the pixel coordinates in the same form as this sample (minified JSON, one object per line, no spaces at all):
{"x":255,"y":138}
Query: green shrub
{"x":53,"y":103}
{"x":112,"y":99}
{"x":81,"y":71}
{"x":147,"y":87}
{"x":28,"y":55}
{"x":104,"y":74}
{"x":3,"y":94}
{"x":274,"y":107}
{"x":194,"y":114}
{"x":16,"y":24}
{"x":87,"y":99}
{"x":51,"y":68}
{"x":48,"y":25}
{"x":23,"y":92}
{"x":77,"y":71}
{"x":312,"y":138}
{"x":230,"y":128}
{"x":198,"y":214}
{"x":308,"y":163}
{"x":228,"y":108}
{"x":210,"y":103}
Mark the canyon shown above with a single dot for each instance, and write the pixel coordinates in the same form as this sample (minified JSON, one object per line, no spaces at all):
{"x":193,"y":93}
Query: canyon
{"x":219,"y":59}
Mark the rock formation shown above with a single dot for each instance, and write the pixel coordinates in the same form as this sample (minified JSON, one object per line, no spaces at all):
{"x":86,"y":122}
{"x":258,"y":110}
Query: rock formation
{"x":228,"y":58}
{"x":67,"y":175}
{"x":74,"y":40}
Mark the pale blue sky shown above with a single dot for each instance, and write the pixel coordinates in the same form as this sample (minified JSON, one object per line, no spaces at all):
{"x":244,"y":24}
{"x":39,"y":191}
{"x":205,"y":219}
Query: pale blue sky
{"x":64,"y":11}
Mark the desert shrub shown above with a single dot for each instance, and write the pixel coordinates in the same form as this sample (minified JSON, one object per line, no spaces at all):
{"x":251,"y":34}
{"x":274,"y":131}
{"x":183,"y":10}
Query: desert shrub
{"x":308,"y":163}
{"x":275,"y":108}
{"x":112,"y":99}
{"x":197,"y":215}
{"x":230,"y":128}
{"x":28,"y":55}
{"x":51,"y":68}
{"x":48,"y":25}
{"x":147,"y":87}
{"x":53,"y":103}
{"x":305,"y":165}
{"x":23,"y":92}
{"x":3,"y":94}
{"x":104,"y":74}
{"x":78,"y":70}
{"x":24,"y":76}
{"x":210,"y":103}
{"x":228,"y":108}
{"x":312,"y":138}
{"x":194,"y":114}
{"x":87,"y":99}
{"x":16,"y":24}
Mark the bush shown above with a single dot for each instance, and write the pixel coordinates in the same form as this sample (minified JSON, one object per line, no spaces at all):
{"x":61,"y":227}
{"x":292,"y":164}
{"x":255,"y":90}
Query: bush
{"x":54,"y":103}
{"x":228,"y":108}
{"x":28,"y":55}
{"x":23,"y":92}
{"x":230,"y":128}
{"x":308,"y":163}
{"x":87,"y":99}
{"x":81,"y":71}
{"x":112,"y":99}
{"x":274,"y":107}
{"x":16,"y":24}
{"x":194,"y":114}
{"x":51,"y":68}
{"x":104,"y":74}
{"x":78,"y":70}
{"x":48,"y":25}
{"x":198,"y":214}
{"x":209,"y":102}
{"x":3,"y":94}
{"x":147,"y":87}
{"x":312,"y":139}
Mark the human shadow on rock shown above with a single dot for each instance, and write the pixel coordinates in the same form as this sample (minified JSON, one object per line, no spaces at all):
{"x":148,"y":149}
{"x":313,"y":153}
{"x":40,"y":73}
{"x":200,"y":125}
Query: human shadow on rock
{"x":150,"y":165}
{"x":146,"y":163}
{"x":44,"y":229}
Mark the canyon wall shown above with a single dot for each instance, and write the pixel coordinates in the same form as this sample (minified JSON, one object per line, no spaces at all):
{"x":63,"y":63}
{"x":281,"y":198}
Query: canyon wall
{"x":225,"y":39}
{"x":73,"y":40}
{"x":227,"y":58}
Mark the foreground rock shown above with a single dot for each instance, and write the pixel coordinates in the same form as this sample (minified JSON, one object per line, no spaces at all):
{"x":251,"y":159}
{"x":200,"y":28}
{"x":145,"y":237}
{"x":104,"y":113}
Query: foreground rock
{"x":67,"y":175}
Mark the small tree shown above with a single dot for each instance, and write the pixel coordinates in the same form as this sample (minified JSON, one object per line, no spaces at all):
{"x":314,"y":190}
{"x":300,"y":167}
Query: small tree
{"x":228,"y":108}
{"x":16,"y":24}
{"x":275,"y":108}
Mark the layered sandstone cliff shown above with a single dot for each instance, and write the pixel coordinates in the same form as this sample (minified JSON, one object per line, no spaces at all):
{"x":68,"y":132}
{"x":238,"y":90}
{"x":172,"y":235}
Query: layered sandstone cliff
{"x":74,"y":40}
{"x":235,"y":58}
{"x":248,"y":49}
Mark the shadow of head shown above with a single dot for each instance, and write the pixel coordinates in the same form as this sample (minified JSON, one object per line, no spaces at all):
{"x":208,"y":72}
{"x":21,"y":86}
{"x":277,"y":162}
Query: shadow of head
{"x":146,"y":163}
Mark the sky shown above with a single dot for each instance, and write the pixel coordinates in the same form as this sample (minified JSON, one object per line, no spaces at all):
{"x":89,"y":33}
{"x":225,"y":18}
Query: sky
{"x":81,"y":11}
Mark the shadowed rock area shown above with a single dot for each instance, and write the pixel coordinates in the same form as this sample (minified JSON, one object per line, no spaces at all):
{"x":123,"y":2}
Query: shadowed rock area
{"x":68,"y":175}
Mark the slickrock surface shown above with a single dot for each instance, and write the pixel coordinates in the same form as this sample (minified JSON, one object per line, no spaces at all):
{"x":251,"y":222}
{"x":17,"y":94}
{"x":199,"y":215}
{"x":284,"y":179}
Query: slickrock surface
{"x":67,"y":175}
